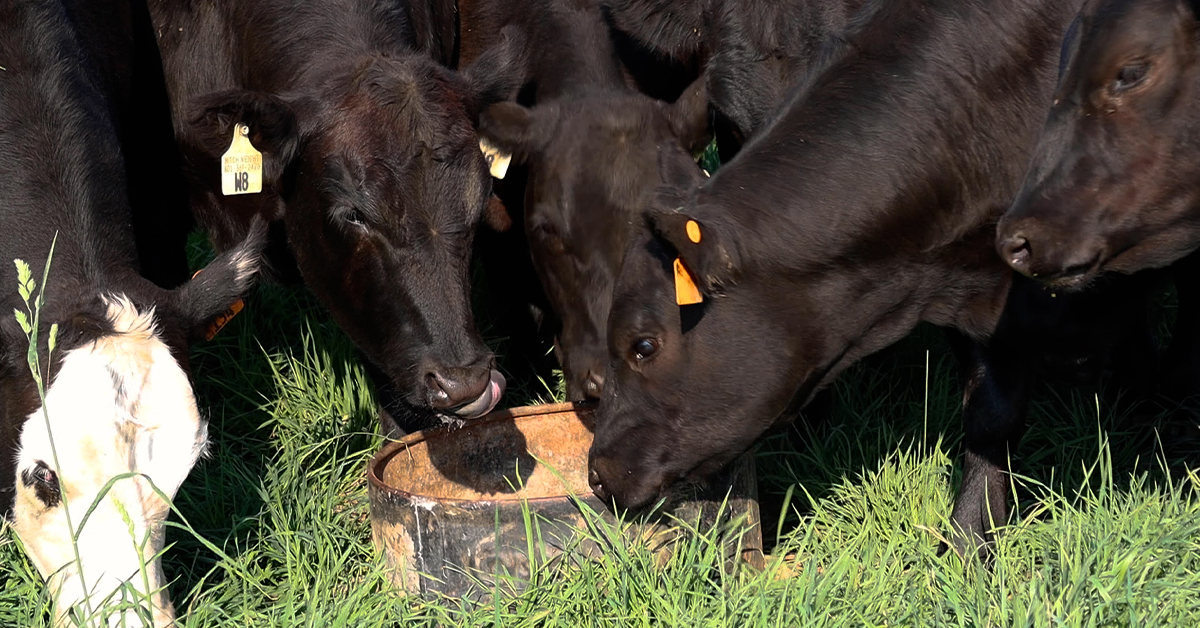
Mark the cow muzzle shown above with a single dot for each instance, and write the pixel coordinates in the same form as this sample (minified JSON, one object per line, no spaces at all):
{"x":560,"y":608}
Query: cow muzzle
{"x":1057,"y":257}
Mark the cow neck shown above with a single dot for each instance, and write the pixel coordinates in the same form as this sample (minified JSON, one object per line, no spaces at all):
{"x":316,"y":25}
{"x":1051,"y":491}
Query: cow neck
{"x":858,"y":174}
{"x":853,"y":203}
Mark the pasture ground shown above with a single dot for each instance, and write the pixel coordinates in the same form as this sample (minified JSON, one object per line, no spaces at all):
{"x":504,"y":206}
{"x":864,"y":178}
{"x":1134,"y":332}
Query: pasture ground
{"x":272,"y":527}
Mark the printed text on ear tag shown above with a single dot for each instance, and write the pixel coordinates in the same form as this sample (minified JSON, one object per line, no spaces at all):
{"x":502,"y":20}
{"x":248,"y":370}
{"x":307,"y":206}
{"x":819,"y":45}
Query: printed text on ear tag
{"x":222,"y":320}
{"x":497,"y":160}
{"x":241,"y":165}
{"x":686,"y":292}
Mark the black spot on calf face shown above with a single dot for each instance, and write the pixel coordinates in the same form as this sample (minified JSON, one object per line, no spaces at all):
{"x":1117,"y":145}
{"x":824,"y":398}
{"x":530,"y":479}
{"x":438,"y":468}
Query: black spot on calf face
{"x":44,"y":482}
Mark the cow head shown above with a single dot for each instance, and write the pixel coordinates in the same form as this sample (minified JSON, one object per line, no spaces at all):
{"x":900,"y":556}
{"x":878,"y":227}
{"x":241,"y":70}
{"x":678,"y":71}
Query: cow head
{"x":677,"y":374}
{"x":594,"y":162}
{"x":378,"y":177}
{"x":118,"y":431}
{"x":1113,"y":184}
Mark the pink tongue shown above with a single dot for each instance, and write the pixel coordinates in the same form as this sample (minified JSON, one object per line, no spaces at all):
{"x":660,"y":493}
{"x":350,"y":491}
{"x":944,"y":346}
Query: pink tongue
{"x":487,"y":401}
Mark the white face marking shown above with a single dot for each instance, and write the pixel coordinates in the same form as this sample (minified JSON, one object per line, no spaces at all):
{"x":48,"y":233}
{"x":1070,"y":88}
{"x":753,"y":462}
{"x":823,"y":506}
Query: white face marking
{"x":118,"y":405}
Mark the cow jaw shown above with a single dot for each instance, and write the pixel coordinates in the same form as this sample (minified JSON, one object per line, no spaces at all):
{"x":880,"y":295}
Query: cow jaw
{"x":119,"y":404}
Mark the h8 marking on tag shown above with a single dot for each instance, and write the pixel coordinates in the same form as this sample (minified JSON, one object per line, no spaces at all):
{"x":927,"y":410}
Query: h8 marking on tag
{"x":241,"y":165}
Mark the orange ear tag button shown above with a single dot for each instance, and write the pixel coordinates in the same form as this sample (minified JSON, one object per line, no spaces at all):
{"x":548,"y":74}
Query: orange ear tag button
{"x":686,"y":292}
{"x":693,"y":231}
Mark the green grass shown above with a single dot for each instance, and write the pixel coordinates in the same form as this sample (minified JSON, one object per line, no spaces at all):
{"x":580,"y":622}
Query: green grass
{"x":1106,"y":530}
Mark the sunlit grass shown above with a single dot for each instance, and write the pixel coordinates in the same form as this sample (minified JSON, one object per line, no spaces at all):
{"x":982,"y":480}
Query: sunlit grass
{"x":1106,"y":531}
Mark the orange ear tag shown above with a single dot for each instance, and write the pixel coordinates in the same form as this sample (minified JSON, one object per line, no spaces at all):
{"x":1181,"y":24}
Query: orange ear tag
{"x":686,"y":292}
{"x":693,"y":231}
{"x":221,"y":321}
{"x":224,"y":319}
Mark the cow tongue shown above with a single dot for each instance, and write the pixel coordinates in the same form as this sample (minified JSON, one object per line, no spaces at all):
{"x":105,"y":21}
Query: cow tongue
{"x":486,"y":401}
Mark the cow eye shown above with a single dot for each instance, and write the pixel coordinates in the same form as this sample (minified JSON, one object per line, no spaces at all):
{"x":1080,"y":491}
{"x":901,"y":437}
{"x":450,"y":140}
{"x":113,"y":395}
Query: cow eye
{"x":1130,"y":76}
{"x":645,"y":348}
{"x":349,"y":215}
{"x":45,"y":475}
{"x":44,"y":482}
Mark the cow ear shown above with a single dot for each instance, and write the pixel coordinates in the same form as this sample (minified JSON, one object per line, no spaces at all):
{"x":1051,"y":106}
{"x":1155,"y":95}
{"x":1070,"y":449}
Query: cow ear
{"x":216,"y":291}
{"x":499,"y":72}
{"x":519,"y":131}
{"x":272,"y":128}
{"x":706,"y":252}
{"x":690,"y":118}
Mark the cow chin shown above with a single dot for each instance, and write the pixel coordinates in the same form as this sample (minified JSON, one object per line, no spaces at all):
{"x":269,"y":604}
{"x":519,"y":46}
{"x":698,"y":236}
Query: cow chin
{"x":118,"y":406}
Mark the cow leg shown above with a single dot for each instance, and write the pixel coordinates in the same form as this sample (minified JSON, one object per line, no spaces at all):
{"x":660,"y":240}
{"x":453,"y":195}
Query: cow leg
{"x":994,"y":406}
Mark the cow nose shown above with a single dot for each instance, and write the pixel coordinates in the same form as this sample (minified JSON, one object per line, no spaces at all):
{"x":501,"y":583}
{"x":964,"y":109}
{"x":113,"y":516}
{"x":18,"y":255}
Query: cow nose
{"x":1016,"y":252}
{"x":450,"y":387}
{"x":593,"y":385}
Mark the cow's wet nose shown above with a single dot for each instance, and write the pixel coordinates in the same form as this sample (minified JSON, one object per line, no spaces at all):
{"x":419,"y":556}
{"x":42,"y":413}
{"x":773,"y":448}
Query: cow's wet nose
{"x":593,"y":385}
{"x":1016,"y":251}
{"x":451,"y":387}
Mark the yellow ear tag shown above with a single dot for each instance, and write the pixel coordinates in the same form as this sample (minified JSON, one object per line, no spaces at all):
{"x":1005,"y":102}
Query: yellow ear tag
{"x":686,"y":292}
{"x":241,"y":165}
{"x":693,"y":231}
{"x":221,"y":321}
{"x":497,"y":160}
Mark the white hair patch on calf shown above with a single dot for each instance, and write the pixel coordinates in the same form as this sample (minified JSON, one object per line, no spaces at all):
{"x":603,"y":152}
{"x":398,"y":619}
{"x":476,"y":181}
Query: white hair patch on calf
{"x":118,"y":405}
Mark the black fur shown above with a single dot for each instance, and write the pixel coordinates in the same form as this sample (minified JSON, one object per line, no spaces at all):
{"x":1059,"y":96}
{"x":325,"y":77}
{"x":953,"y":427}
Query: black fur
{"x":373,"y":166}
{"x":752,"y":51}
{"x":62,"y":178}
{"x":581,"y":141}
{"x":1114,"y":184}
{"x":44,"y":483}
{"x":590,"y":147}
{"x":865,"y":207}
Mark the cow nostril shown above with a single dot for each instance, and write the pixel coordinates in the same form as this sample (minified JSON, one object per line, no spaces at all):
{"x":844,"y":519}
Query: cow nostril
{"x":593,"y":385}
{"x":1017,"y":252}
{"x":435,"y":384}
{"x":598,"y":487}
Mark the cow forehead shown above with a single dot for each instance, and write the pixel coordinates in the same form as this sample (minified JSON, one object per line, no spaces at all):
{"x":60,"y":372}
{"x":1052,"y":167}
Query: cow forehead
{"x":399,"y":103}
{"x":1122,"y":23}
{"x":106,"y":398}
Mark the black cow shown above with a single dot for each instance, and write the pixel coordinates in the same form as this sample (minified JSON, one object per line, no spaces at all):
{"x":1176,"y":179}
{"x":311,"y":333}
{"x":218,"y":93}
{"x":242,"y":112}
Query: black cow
{"x":371,"y":172}
{"x":594,"y":163}
{"x":1113,"y":185}
{"x":1115,"y":181}
{"x":866,"y":207}
{"x":588,"y":146}
{"x":117,"y":397}
{"x":752,"y":51}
